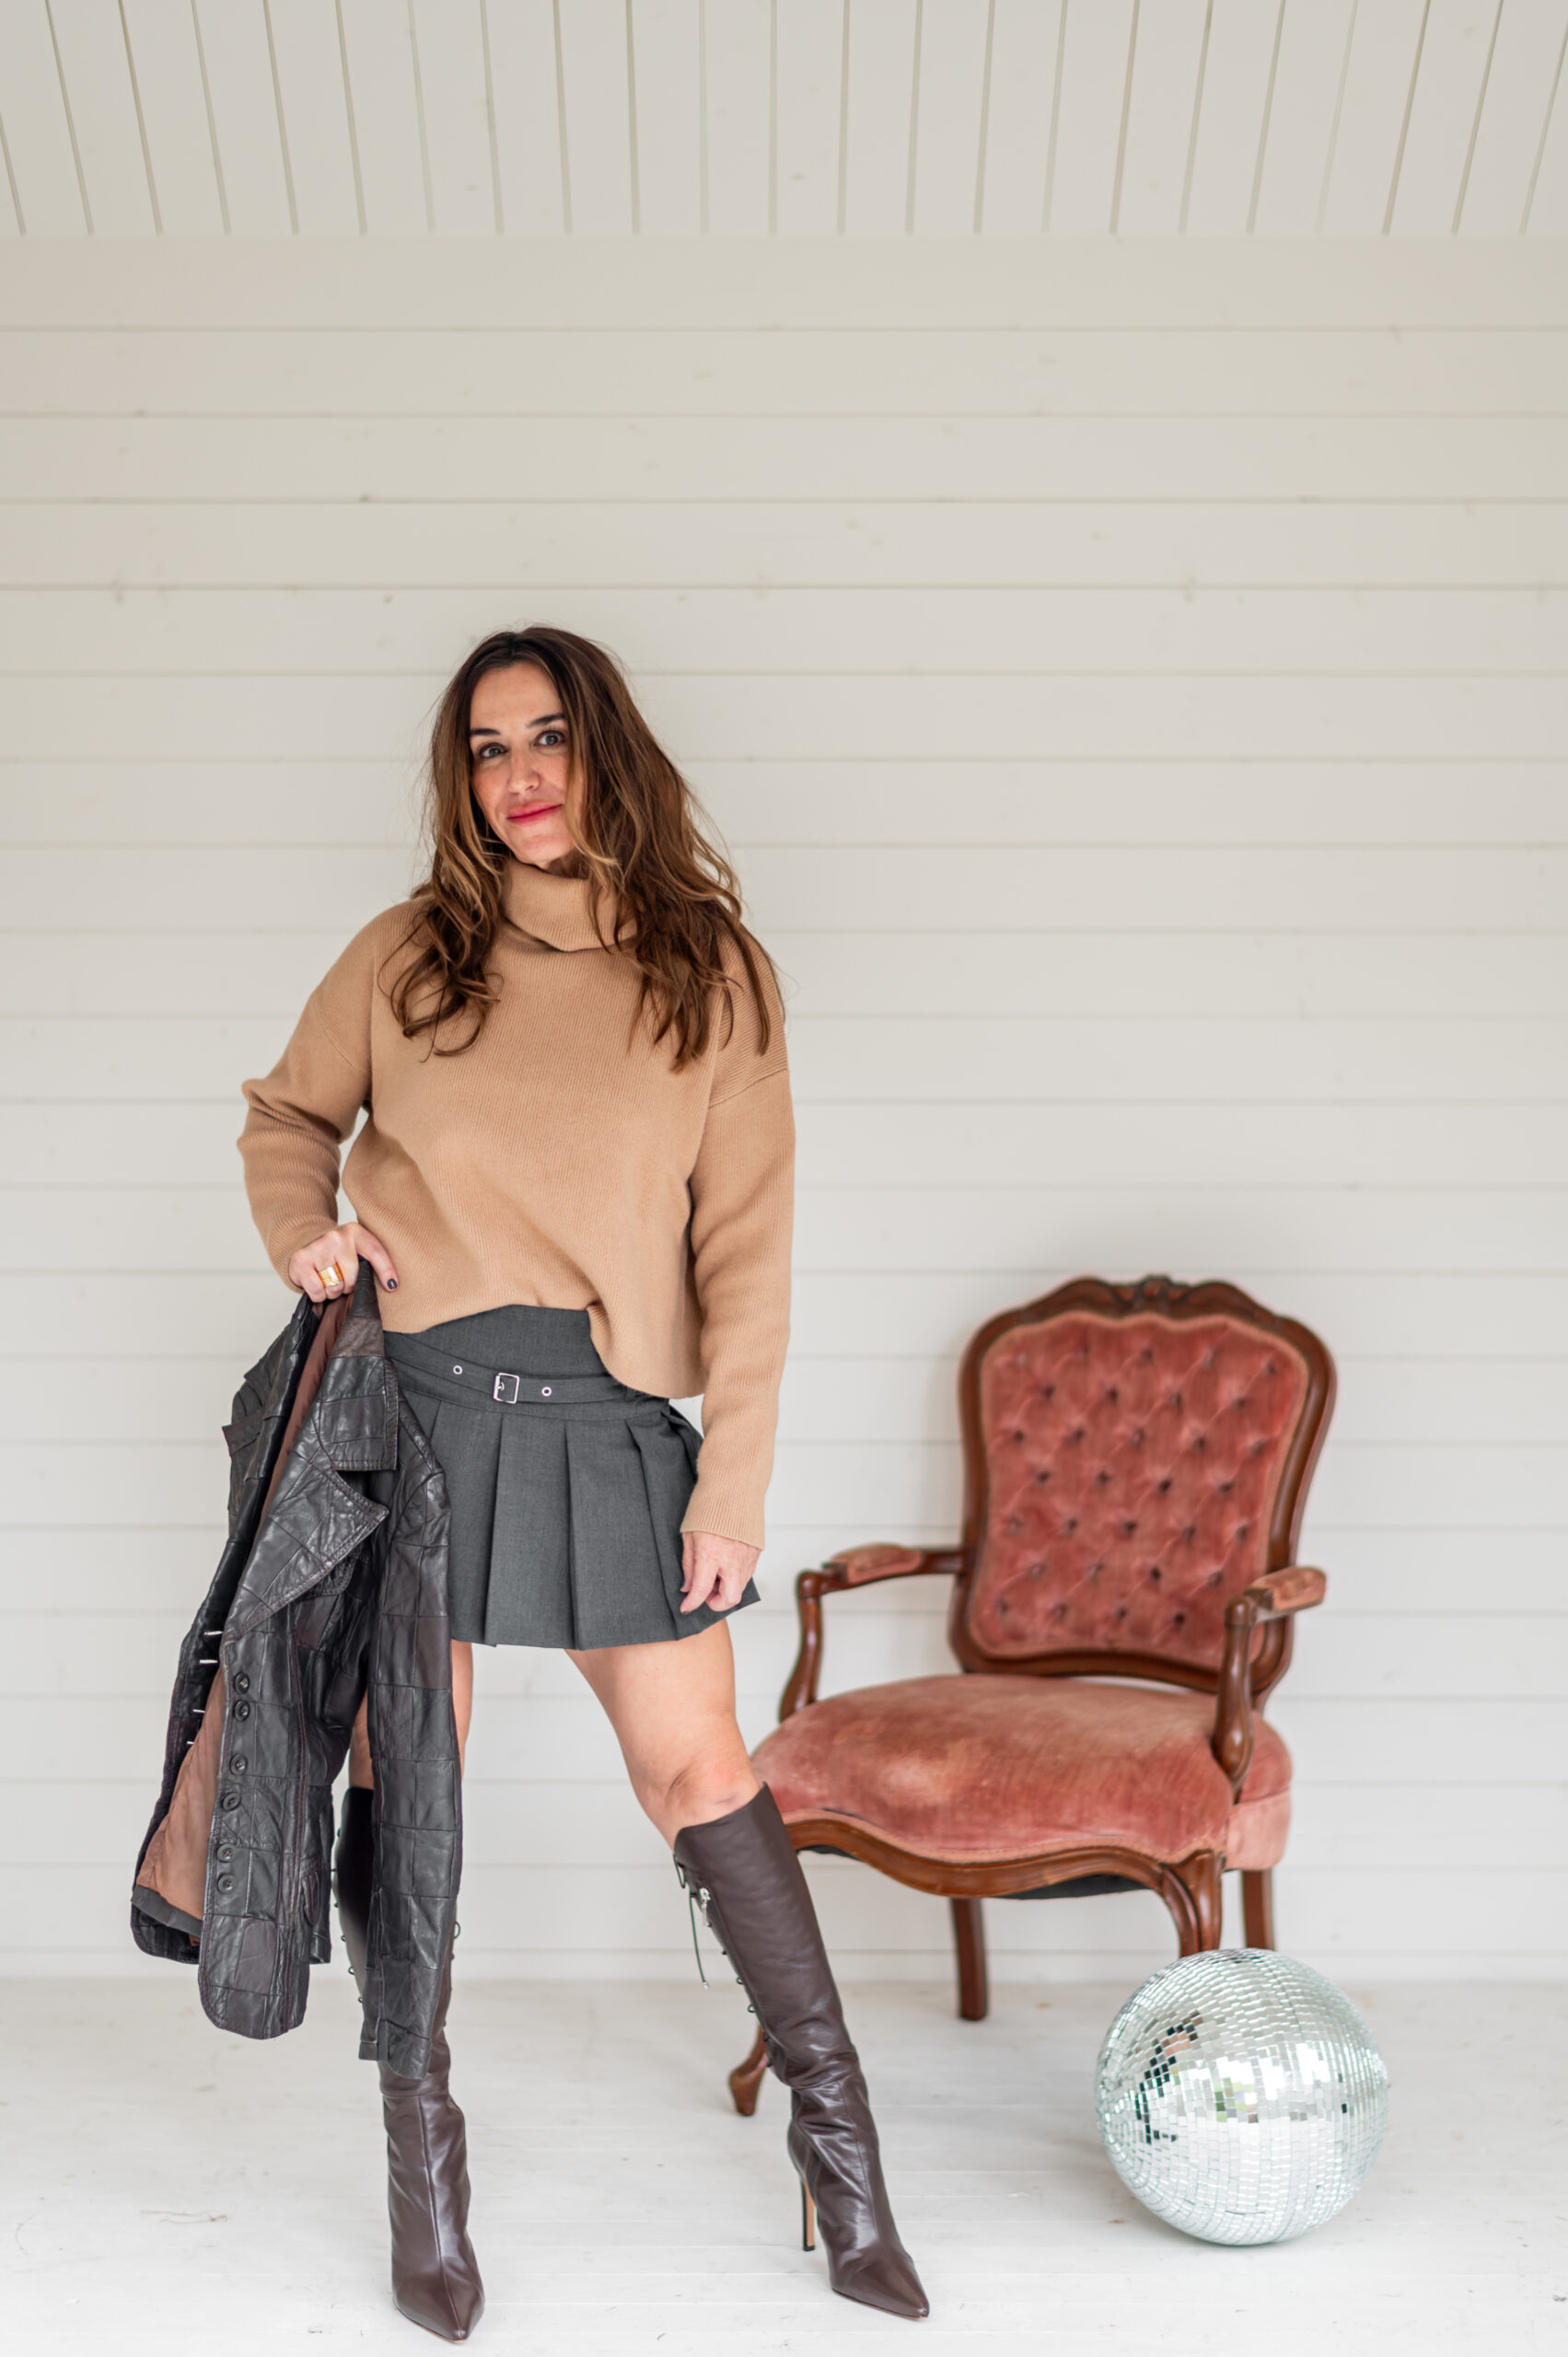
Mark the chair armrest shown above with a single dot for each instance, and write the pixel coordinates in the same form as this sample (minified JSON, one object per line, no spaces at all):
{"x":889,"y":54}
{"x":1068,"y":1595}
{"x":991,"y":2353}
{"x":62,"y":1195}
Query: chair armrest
{"x":861,"y":1565}
{"x":1294,"y":1588}
{"x":853,"y":1567}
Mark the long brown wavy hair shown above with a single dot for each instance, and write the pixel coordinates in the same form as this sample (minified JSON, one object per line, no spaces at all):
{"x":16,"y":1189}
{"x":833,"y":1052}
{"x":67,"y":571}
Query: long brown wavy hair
{"x":662,"y":893}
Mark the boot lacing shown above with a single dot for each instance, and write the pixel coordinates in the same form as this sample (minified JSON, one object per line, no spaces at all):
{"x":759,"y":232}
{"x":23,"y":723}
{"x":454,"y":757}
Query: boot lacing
{"x":696,"y":1895}
{"x":699,"y":1895}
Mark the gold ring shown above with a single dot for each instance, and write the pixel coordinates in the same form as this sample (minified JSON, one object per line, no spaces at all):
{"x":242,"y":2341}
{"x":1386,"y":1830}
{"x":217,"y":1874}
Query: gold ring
{"x":331,"y":1274}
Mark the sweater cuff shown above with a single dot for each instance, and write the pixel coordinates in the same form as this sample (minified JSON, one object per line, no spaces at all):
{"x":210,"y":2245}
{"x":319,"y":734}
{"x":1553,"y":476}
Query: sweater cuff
{"x":723,"y":1513}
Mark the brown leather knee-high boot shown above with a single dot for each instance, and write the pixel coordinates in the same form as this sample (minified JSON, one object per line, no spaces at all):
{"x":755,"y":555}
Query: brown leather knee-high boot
{"x":748,"y":1880}
{"x":435,"y":2274}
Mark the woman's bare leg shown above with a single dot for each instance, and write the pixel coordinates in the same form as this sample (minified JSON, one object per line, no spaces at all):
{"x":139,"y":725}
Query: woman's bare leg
{"x":362,"y":1774}
{"x":672,"y":1707}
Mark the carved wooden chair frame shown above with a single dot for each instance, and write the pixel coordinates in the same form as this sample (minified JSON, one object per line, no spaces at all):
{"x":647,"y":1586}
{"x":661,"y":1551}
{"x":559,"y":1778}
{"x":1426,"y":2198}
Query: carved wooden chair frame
{"x":1259,"y":1635}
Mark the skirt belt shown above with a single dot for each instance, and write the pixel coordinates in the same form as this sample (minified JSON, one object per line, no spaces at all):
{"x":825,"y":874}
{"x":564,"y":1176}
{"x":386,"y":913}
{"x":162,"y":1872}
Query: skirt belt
{"x":501,"y":1387}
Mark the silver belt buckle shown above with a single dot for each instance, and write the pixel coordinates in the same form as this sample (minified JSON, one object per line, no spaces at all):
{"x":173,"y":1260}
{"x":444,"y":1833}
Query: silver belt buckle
{"x":507,"y":1398}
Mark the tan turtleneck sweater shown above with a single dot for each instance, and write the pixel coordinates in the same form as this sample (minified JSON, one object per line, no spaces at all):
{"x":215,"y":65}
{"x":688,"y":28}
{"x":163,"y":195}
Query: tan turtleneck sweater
{"x":559,"y":1161}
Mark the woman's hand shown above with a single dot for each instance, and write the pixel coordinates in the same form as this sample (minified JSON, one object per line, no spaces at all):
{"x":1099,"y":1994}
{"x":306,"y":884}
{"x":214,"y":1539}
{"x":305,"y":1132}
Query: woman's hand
{"x":715,"y":1571}
{"x":342,"y":1249}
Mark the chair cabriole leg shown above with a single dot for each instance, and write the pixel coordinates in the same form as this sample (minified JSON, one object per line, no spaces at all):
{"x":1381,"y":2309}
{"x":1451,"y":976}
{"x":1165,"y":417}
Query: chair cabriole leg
{"x":969,"y":1939}
{"x":1197,"y":1913}
{"x":746,"y":2079}
{"x":1257,"y":1906}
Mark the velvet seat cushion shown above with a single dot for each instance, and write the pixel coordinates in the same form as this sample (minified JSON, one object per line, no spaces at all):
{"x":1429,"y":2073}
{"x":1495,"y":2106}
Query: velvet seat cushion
{"x":971,"y":1769}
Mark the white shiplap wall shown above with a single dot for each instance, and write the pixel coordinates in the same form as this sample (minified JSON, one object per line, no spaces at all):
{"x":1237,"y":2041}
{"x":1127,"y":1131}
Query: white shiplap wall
{"x":1129,"y":678}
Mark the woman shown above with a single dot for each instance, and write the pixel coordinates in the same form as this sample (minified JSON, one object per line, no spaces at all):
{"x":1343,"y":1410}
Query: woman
{"x":574,"y":1186}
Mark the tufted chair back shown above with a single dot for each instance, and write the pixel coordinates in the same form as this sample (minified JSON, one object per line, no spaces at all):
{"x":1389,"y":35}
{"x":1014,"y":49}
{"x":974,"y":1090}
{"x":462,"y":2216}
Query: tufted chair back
{"x":1135,"y":1456}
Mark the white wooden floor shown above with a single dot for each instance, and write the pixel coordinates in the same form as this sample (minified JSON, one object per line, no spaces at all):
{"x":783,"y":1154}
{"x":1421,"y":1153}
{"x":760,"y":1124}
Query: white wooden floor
{"x":169,"y":2189}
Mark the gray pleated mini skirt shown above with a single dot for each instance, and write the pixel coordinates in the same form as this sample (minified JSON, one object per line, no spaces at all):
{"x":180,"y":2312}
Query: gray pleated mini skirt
{"x":567,"y":1488}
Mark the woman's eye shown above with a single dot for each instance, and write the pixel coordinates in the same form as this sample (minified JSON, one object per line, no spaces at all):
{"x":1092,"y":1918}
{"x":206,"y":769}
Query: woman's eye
{"x":485,"y":751}
{"x":549,"y":738}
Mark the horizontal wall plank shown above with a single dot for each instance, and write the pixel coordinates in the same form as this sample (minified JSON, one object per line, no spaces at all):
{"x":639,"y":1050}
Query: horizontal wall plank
{"x":1329,"y":1911}
{"x":638,"y":457}
{"x":1420,"y":1485}
{"x":1134,"y":716}
{"x":820,"y":803}
{"x":566,"y":1738}
{"x":1420,"y":887}
{"x":1010,"y":1058}
{"x":1014,"y":1057}
{"x":525,"y":552}
{"x":1379,"y":1655}
{"x":1365,"y":1740}
{"x":1336,"y":1826}
{"x":1491,"y":1575}
{"x":102,"y":1482}
{"x":1263,"y":1145}
{"x":1349,"y":804}
{"x":977,"y":632}
{"x":898,"y":1226}
{"x":1071,"y":970}
{"x":1280,"y":1144}
{"x":714,"y":370}
{"x":150,"y":1143}
{"x":1226,"y":286}
{"x":1453,"y":1400}
{"x":640,"y":1911}
{"x":79,"y":1225}
{"x":1498,"y":1315}
{"x":520,"y":1825}
{"x":1336,"y":1657}
{"x":83,"y":1571}
{"x":837,"y":1315}
{"x":1165,"y":970}
{"x":514,"y":1969}
{"x":1172,"y":888}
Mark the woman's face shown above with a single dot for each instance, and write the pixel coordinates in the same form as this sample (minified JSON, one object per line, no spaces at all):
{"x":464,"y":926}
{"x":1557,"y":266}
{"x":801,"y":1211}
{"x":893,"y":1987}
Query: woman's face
{"x":523,"y":777}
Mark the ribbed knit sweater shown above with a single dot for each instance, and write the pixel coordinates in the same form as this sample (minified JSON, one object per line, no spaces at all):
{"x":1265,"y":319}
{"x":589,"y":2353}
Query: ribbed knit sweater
{"x":559,"y":1160}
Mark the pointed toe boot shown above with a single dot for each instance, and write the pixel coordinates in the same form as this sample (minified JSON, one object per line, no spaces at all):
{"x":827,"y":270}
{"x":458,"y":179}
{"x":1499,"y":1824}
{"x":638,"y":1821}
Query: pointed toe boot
{"x":747,"y":1879}
{"x":435,"y":2274}
{"x":436,"y":2280}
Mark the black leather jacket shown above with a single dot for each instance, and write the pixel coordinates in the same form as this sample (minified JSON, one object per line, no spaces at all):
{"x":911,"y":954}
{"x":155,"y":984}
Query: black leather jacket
{"x":333,"y":1580}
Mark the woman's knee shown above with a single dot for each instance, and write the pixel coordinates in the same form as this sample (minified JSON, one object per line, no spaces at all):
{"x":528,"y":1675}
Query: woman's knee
{"x":699,"y":1791}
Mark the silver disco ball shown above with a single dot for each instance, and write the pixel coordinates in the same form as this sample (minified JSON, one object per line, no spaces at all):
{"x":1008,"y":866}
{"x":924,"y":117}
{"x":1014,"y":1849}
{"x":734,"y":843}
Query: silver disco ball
{"x":1241,"y":2096}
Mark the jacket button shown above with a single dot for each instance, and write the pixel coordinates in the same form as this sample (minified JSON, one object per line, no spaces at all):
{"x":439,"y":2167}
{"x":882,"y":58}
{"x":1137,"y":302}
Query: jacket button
{"x":242,"y":1710}
{"x":238,"y":1767}
{"x":229,"y":1800}
{"x":226,"y":1851}
{"x":242,"y":1684}
{"x":226,"y":1882}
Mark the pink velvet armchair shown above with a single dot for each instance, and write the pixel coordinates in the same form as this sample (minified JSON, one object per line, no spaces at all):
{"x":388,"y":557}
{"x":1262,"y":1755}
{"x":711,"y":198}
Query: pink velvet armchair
{"x":1136,"y":1462}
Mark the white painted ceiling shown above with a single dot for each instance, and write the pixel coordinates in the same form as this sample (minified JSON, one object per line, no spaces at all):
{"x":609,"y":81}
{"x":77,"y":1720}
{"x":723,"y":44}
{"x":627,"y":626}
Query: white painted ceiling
{"x":789,"y":117}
